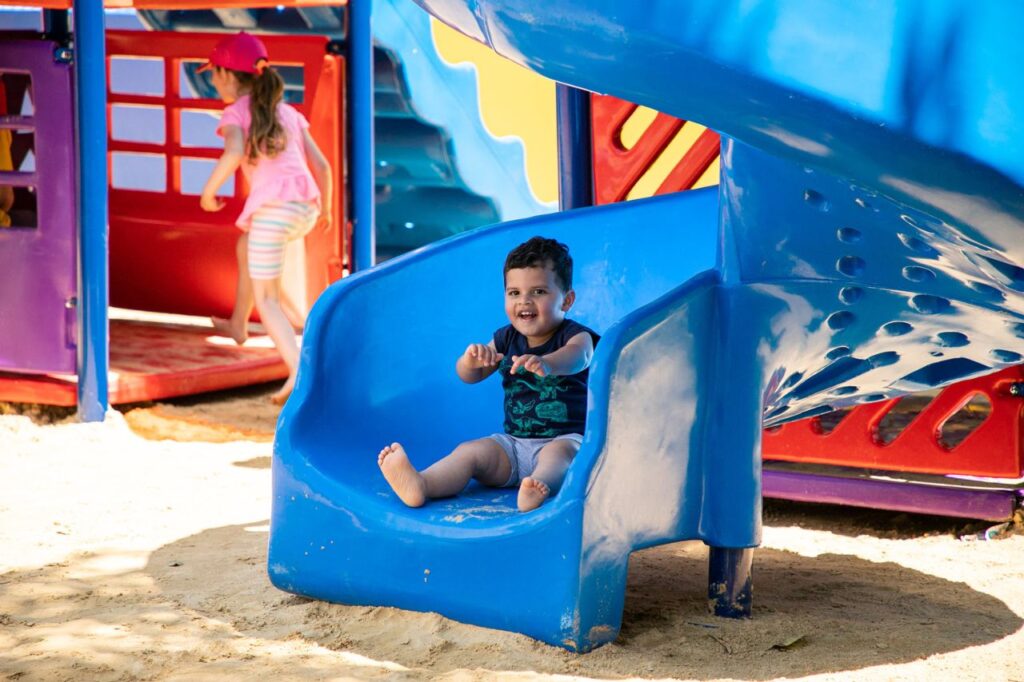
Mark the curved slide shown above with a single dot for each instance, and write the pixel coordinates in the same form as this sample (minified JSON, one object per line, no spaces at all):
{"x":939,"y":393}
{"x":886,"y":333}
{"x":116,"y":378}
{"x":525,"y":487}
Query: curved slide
{"x":339,"y":533}
{"x":866,"y":244}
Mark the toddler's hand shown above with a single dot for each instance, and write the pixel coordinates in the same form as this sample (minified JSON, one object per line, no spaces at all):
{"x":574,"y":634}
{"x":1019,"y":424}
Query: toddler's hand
{"x":481,"y":355}
{"x":530,"y":363}
{"x":211,"y":203}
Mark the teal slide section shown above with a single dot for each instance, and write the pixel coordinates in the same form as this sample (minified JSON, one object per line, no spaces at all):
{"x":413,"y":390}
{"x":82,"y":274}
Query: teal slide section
{"x":439,"y":171}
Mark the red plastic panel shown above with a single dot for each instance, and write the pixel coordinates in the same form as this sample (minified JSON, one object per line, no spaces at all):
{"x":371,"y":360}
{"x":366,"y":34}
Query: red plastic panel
{"x":993,"y":449}
{"x":617,"y":169}
{"x":153,"y":361}
{"x":167,"y":254}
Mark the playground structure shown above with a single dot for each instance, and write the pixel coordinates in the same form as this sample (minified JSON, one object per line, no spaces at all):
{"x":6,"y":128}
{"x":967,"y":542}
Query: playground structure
{"x":955,"y":451}
{"x":653,"y":305}
{"x":165,"y":254}
{"x":862,"y":248}
{"x":438,"y":171}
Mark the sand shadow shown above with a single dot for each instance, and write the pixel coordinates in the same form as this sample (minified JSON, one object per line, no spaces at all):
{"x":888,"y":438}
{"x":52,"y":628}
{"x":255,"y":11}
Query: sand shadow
{"x":838,"y":607}
{"x":40,"y":415}
{"x":80,"y":620}
{"x":243,"y":413}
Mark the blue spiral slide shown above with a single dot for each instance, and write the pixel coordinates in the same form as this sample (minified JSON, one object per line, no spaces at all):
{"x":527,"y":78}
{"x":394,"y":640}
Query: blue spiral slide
{"x":864,"y":242}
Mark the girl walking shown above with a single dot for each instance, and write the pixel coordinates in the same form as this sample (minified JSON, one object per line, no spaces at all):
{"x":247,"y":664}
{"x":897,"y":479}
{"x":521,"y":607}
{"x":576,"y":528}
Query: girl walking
{"x":289,"y":183}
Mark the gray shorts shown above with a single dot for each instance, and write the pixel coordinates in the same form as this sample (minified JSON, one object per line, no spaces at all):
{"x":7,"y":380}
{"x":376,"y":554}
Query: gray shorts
{"x":522,"y":452}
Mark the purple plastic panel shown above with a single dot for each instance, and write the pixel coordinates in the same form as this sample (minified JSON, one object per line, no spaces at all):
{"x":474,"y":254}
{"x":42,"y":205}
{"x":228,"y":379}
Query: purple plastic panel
{"x":39,"y":264}
{"x":991,"y":505}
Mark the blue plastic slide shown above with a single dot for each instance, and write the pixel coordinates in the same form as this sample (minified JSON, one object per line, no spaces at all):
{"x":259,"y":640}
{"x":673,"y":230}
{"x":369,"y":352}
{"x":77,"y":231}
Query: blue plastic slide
{"x":867,"y":243}
{"x":382,"y":370}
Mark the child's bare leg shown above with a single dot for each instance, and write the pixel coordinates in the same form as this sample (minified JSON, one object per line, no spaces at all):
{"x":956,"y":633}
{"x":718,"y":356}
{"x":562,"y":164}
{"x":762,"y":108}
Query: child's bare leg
{"x":267,"y":293}
{"x":296,"y":317}
{"x":482,"y":459}
{"x":552,"y":462}
{"x":237,"y":326}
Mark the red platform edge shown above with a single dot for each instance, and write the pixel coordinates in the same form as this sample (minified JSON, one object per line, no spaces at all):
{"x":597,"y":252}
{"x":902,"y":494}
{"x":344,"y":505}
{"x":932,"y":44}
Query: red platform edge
{"x":150,"y":361}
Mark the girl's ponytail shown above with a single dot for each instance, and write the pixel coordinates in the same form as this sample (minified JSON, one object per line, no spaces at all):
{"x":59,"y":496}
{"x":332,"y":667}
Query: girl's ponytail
{"x":266,"y":90}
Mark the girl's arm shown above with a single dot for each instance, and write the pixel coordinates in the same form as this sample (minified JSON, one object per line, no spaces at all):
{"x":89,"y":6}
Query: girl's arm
{"x":234,"y":153}
{"x":322,"y":174}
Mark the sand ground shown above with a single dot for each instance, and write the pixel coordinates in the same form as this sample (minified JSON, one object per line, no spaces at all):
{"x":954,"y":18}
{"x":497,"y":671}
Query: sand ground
{"x":135,"y":549}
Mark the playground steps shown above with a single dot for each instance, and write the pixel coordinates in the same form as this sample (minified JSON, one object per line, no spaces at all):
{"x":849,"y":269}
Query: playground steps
{"x":151,"y":361}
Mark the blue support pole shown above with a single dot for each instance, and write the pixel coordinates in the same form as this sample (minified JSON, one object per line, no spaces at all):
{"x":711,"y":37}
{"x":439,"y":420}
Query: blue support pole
{"x":360,"y":115}
{"x":93,"y":278}
{"x":575,"y":161}
{"x":730,"y":582}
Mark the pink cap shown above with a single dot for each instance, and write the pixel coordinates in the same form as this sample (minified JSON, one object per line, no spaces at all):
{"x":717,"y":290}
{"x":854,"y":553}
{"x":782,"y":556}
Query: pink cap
{"x":239,"y":52}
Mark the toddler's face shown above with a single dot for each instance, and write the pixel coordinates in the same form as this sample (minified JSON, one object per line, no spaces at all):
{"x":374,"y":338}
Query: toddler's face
{"x":535,"y":303}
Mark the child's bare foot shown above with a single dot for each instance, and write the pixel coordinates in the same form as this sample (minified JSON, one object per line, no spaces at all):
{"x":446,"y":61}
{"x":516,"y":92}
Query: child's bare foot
{"x":401,"y":476}
{"x":532,"y":494}
{"x":282,"y":394}
{"x":226,"y":328}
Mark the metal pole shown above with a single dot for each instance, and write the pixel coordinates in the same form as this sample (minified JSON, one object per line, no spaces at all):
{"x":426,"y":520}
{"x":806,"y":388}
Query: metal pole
{"x":361,"y":163}
{"x":91,"y":134}
{"x":575,"y":165}
{"x":730,"y":582}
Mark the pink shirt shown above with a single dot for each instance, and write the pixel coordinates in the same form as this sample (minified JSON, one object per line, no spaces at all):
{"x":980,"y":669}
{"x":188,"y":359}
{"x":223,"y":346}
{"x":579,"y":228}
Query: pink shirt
{"x":286,"y":176}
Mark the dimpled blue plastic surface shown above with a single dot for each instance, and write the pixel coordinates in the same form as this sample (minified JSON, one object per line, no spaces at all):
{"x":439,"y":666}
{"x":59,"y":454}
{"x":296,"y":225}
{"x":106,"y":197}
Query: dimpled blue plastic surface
{"x":864,"y":244}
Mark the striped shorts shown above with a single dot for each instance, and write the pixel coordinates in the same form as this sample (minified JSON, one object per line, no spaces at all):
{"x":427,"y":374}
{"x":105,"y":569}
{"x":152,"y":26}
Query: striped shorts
{"x":274,"y":225}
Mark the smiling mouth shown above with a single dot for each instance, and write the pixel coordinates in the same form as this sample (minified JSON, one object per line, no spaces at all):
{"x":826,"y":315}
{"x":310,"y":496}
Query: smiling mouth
{"x":526,"y":315}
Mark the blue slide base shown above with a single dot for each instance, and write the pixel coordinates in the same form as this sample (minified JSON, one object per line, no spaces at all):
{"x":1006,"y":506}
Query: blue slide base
{"x":558,"y":573}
